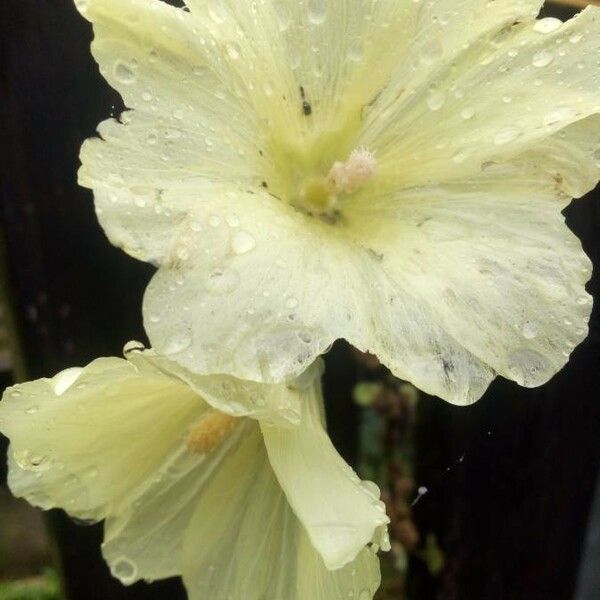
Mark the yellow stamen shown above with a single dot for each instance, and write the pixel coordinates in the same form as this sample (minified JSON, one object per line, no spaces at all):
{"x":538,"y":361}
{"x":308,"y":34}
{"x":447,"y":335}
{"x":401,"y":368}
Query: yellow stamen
{"x":210,"y":431}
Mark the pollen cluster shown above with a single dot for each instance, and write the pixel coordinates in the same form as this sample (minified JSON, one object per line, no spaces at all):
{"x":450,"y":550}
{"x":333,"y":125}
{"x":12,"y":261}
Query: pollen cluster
{"x":347,"y":177}
{"x":210,"y":431}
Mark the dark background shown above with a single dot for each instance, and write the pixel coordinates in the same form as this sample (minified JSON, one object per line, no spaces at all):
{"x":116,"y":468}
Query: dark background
{"x":511,"y":479}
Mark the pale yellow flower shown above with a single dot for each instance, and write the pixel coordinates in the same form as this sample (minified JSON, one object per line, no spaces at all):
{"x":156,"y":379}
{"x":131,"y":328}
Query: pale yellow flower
{"x":233,"y":485}
{"x":387,"y":171}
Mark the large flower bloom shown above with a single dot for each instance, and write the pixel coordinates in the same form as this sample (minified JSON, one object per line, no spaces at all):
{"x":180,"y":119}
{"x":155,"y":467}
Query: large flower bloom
{"x":388,"y":171}
{"x":252,"y":503}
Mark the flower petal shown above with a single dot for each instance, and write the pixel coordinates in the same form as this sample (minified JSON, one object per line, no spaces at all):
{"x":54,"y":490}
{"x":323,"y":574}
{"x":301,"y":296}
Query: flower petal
{"x":268,"y":554}
{"x":76,"y":441}
{"x":341,"y":514}
{"x":277,"y":404}
{"x":263,"y":298}
{"x":497,"y":98}
{"x":190,"y":123}
{"x":492,"y":258}
{"x":144,"y":538}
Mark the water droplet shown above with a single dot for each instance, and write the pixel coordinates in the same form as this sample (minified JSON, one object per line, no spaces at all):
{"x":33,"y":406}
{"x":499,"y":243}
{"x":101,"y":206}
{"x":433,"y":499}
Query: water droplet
{"x":222,"y":281}
{"x":178,"y":342}
{"x":507,"y":135}
{"x":124,"y":73}
{"x":152,"y":138}
{"x":146,"y":96}
{"x":132,"y":347}
{"x":527,"y":367}
{"x":124,"y":570}
{"x":467,"y":113}
{"x":243,"y":242}
{"x":432,"y":51}
{"x":233,"y":51}
{"x":356,"y":51}
{"x":435,"y":100}
{"x":365,"y":595}
{"x":305,"y":337}
{"x":317,"y":12}
{"x":542,"y":58}
{"x":291,"y":303}
{"x":232,"y":220}
{"x":575,"y":38}
{"x":178,"y":113}
{"x":547,"y":25}
{"x":214,"y":221}
{"x":530,"y":330}
{"x":558,"y":115}
{"x":62,"y":381}
{"x":32,"y":409}
{"x":282,"y":13}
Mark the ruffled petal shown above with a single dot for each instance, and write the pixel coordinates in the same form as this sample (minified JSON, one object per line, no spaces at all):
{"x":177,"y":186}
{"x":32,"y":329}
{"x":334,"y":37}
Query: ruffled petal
{"x":264,"y":290}
{"x":492,"y":258}
{"x":340,"y":513}
{"x":76,"y":438}
{"x":269,"y":556}
{"x":190,"y":123}
{"x":277,"y":404}
{"x":498,"y":98}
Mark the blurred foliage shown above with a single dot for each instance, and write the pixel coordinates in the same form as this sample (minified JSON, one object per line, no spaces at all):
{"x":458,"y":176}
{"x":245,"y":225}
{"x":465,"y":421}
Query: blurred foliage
{"x":45,"y":587}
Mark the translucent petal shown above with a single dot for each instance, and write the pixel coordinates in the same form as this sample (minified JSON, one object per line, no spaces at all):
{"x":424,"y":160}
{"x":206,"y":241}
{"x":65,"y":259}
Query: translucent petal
{"x":498,"y":98}
{"x":277,"y":404}
{"x":492,"y":258}
{"x":269,"y":556}
{"x":340,"y":513}
{"x":144,"y":538}
{"x":79,"y":446}
{"x":263,"y":298}
{"x":190,"y":122}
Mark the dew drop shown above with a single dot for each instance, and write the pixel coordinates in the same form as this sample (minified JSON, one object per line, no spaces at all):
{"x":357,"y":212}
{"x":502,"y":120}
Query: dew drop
{"x":124,"y":73}
{"x":467,"y":113}
{"x":283,"y":15}
{"x":547,"y":25}
{"x":178,"y":342}
{"x":65,"y":379}
{"x":317,"y":12}
{"x":243,"y":242}
{"x":291,"y":303}
{"x":132,"y":347}
{"x":365,"y":595}
{"x":124,"y":570}
{"x":356,"y":51}
{"x":435,"y":100}
{"x":575,"y":38}
{"x":530,"y":330}
{"x":232,"y":220}
{"x":542,"y":58}
{"x":558,"y":115}
{"x":527,"y":367}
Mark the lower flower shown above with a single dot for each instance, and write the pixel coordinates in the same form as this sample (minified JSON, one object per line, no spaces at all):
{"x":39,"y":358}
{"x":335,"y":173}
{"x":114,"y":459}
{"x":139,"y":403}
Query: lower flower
{"x":233,"y":485}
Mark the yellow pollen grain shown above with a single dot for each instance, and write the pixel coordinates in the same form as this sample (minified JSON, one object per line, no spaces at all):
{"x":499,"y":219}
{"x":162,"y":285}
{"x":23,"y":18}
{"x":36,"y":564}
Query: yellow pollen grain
{"x":210,"y":431}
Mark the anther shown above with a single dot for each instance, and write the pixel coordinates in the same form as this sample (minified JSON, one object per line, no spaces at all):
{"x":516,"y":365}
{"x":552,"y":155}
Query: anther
{"x":210,"y":431}
{"x":347,"y":177}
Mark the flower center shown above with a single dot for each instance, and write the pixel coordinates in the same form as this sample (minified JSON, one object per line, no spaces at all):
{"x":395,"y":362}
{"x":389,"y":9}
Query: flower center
{"x":322,"y":196}
{"x":210,"y":431}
